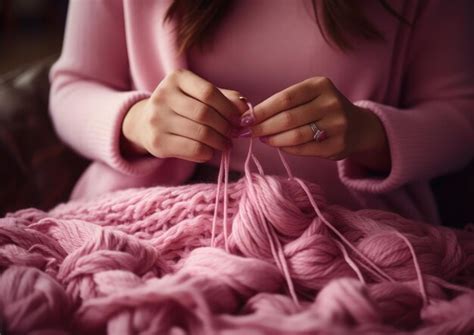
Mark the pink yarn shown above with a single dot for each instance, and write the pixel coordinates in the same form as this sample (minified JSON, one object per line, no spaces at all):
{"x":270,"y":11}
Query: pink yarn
{"x":263,"y":255}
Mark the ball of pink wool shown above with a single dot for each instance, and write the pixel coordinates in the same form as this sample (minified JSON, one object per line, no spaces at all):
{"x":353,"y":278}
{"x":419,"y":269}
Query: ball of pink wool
{"x":31,"y":300}
{"x":274,"y":202}
{"x":346,"y":301}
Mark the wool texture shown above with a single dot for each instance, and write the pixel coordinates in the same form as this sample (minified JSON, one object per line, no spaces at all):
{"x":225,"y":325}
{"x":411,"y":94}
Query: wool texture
{"x":263,"y":255}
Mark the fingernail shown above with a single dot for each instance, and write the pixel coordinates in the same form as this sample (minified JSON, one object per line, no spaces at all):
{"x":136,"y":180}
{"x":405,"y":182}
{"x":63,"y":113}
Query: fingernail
{"x":243,"y":98}
{"x":246,"y":120}
{"x":245,"y":133}
{"x":264,"y":139}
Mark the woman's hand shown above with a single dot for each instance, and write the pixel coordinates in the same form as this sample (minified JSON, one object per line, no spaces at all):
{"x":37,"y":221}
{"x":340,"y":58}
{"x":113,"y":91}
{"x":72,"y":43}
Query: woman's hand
{"x":284,"y":119}
{"x":186,"y":117}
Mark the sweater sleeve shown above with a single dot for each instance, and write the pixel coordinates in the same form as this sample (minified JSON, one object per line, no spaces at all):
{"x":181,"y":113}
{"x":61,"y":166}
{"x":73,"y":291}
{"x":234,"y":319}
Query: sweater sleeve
{"x":91,"y":89}
{"x":431,"y":133}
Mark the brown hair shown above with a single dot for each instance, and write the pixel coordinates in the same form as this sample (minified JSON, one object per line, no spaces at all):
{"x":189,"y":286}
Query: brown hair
{"x":338,"y":20}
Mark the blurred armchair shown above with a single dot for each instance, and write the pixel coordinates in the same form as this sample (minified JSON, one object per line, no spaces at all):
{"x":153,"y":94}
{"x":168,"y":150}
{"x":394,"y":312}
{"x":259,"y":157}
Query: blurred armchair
{"x":36,"y":168}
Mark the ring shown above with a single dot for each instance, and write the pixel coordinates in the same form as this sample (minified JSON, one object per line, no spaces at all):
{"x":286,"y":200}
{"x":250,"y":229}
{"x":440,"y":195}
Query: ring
{"x":318,"y":134}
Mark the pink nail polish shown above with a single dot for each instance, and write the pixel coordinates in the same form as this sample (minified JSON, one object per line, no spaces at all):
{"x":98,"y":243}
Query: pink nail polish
{"x":246,"y":120}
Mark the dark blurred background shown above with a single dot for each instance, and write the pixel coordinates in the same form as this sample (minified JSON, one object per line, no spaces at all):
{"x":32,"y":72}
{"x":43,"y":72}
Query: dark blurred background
{"x":36,"y":168}
{"x":30,"y":30}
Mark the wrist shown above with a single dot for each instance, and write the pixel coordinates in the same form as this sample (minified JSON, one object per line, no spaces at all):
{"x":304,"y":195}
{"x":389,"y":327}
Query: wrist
{"x":373,"y":151}
{"x":130,"y":141}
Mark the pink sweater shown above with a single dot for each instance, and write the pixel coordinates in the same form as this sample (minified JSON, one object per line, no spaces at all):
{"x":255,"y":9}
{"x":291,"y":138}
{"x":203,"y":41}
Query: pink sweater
{"x":420,"y":83}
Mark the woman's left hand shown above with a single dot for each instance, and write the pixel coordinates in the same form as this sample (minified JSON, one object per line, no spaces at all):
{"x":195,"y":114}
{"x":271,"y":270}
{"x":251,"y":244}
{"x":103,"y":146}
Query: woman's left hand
{"x":284,"y":119}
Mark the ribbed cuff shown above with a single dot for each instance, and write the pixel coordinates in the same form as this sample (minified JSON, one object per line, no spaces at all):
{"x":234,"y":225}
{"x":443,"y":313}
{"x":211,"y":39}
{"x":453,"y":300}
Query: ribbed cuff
{"x":401,"y":146}
{"x":104,"y":133}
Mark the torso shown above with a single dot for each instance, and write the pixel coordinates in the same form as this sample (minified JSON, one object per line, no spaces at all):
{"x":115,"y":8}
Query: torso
{"x":260,"y":49}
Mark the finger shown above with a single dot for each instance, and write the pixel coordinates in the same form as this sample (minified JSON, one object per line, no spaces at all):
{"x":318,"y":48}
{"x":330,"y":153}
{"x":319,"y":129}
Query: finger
{"x":186,"y":148}
{"x":327,"y":149}
{"x":300,"y":135}
{"x":199,"y":112}
{"x":298,"y":94}
{"x":289,"y":119}
{"x":207,"y":93}
{"x":291,"y":137}
{"x":237,"y":99}
{"x":182,"y":126}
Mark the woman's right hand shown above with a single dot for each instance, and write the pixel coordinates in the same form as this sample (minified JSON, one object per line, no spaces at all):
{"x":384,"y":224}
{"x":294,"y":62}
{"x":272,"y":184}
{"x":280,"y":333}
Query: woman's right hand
{"x":186,"y":117}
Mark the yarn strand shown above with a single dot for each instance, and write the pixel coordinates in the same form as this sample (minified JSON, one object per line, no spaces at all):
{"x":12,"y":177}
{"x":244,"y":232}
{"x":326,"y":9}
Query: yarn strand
{"x":329,"y":225}
{"x":216,"y":203}
{"x":226,"y":158}
{"x":417,"y":268}
{"x":275,"y":245}
{"x":351,"y":263}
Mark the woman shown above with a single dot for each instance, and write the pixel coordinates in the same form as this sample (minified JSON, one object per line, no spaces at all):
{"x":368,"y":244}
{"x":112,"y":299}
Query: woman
{"x":369,"y":99}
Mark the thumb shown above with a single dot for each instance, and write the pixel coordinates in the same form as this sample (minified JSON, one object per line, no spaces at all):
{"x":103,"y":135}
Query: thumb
{"x":236,"y":98}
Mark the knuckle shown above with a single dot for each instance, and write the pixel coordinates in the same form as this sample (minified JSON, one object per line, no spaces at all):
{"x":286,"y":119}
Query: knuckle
{"x":287,"y":119}
{"x":160,"y":153}
{"x":301,"y":135}
{"x":172,"y":77}
{"x":157,"y":118}
{"x":177,"y":73}
{"x":158,"y":95}
{"x":202,"y":132}
{"x":298,"y":136}
{"x":334,"y":103}
{"x":157,"y":147}
{"x":324,"y":81}
{"x":153,"y":119}
{"x":207,"y":92}
{"x":155,"y":141}
{"x":200,"y":151}
{"x":341,"y":124}
{"x":286,"y":100}
{"x":180,"y":71}
{"x":197,"y":149}
{"x":235,"y":94}
{"x":201,"y":113}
